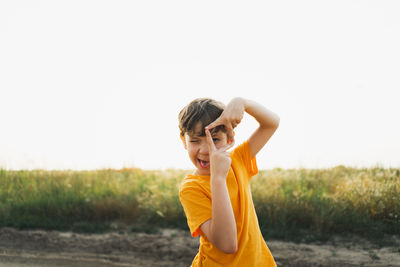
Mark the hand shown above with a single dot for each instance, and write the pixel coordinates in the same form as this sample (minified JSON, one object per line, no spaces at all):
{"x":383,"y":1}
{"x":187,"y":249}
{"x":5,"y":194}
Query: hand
{"x":220,"y":162}
{"x":230,"y":117}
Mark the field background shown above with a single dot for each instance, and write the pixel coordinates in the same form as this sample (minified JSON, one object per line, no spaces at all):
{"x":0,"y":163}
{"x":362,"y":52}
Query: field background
{"x":292,"y":204}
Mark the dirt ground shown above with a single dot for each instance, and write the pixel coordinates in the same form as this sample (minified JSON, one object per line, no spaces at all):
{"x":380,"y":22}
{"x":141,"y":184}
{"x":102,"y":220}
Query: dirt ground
{"x":170,"y":247}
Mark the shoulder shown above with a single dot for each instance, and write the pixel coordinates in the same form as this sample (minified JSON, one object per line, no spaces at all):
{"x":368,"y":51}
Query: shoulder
{"x":242,"y":159}
{"x":187,"y":183}
{"x":242,"y":150}
{"x":194,"y":192}
{"x":190,"y":184}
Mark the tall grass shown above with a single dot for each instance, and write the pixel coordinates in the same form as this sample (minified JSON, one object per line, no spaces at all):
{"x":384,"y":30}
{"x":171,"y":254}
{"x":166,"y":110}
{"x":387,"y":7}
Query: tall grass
{"x":88,"y":200}
{"x":289,"y":203}
{"x":325,"y":201}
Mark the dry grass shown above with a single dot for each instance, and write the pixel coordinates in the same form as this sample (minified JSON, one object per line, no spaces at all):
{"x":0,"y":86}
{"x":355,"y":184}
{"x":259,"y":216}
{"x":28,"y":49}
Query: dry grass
{"x":288,"y":202}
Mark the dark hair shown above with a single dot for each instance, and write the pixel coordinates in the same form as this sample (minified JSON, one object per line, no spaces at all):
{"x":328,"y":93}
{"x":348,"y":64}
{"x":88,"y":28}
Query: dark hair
{"x":203,"y":110}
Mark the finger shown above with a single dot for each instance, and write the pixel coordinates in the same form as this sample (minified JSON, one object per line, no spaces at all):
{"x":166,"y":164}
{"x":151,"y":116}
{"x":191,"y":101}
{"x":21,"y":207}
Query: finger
{"x":238,"y":121}
{"x":233,"y":139}
{"x":210,"y":142}
{"x":225,"y":148}
{"x":229,"y":132}
{"x":214,"y":124}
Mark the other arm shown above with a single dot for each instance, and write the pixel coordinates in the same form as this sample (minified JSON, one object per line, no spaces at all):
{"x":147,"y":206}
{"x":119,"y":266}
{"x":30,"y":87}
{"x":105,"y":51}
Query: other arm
{"x":221,"y":228}
{"x":268,"y":123}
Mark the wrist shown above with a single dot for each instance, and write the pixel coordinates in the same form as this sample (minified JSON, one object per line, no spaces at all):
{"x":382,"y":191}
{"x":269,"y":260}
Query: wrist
{"x":239,"y":100}
{"x":218,"y":178}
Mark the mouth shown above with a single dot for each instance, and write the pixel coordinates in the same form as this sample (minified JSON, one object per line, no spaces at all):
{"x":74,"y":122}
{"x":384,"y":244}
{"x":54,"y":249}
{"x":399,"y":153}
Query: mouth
{"x":203,"y":163}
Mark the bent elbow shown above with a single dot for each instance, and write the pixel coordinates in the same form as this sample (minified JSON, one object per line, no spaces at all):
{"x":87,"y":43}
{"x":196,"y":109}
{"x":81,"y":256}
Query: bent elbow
{"x":277,"y":121}
{"x":233,"y":250}
{"x":230,"y":250}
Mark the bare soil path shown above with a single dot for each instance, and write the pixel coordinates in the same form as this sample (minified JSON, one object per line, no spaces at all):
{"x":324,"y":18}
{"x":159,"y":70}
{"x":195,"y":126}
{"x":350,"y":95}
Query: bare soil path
{"x":170,"y":247}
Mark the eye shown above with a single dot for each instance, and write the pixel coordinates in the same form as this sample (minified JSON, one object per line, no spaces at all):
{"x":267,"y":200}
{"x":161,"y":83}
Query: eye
{"x":215,"y":139}
{"x":194,"y":141}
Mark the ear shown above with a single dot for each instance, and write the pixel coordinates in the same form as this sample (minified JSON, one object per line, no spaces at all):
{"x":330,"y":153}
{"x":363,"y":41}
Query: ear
{"x":183,"y":141}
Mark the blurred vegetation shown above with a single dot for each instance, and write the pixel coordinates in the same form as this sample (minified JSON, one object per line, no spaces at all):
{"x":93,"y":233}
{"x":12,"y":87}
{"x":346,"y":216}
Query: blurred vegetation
{"x":91,"y":201}
{"x":294,"y":204}
{"x":313,"y":204}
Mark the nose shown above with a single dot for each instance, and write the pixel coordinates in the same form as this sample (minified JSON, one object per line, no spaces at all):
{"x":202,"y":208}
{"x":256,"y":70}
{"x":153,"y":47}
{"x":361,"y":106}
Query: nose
{"x":203,"y":148}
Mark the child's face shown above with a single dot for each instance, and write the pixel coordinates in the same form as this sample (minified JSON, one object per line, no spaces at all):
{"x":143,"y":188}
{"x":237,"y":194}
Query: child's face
{"x":197,"y":148}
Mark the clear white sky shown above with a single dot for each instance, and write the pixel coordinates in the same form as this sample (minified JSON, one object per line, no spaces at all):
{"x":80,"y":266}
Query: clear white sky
{"x":94,"y":84}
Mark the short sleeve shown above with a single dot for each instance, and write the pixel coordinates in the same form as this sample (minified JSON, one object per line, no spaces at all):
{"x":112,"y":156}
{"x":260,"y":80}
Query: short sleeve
{"x":243,"y":153}
{"x":197,"y":207}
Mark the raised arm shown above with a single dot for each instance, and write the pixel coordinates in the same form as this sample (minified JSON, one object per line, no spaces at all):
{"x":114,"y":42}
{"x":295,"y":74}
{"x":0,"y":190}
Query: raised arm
{"x":268,"y":123}
{"x":233,"y":114}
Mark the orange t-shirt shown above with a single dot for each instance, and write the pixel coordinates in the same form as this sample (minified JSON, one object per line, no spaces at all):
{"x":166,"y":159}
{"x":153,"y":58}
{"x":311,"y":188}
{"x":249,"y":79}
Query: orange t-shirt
{"x":195,"y":196}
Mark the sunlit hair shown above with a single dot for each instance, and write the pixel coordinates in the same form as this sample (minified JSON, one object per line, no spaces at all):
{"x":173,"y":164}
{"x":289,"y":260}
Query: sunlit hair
{"x":203,"y":110}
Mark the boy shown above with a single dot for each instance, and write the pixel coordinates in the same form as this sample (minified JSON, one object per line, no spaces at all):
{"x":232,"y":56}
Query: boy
{"x":216,"y":198}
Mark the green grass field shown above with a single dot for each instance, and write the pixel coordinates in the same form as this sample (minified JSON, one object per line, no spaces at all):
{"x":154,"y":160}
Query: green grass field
{"x":291,"y":204}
